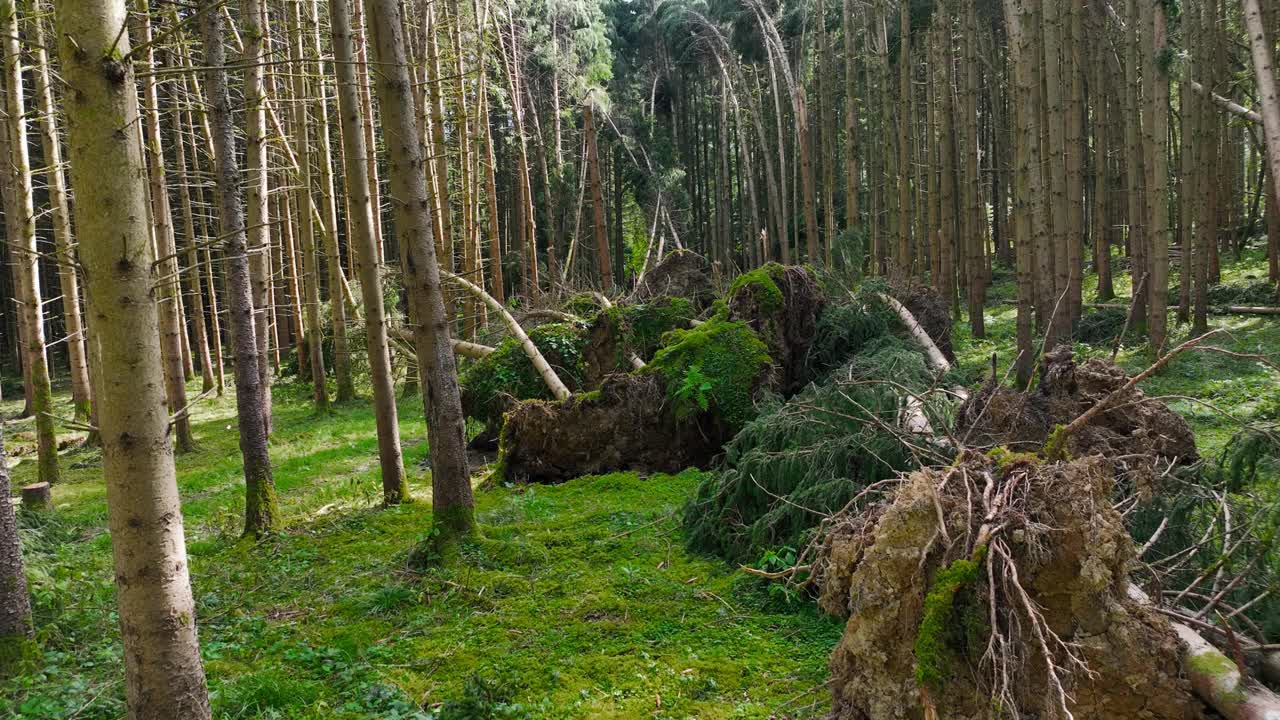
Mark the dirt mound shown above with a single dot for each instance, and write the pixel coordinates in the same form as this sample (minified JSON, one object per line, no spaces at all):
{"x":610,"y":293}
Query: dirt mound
{"x":782,"y":304}
{"x":930,"y":311}
{"x":682,"y":273}
{"x":627,"y":424}
{"x":1135,"y":426}
{"x":987,"y":584}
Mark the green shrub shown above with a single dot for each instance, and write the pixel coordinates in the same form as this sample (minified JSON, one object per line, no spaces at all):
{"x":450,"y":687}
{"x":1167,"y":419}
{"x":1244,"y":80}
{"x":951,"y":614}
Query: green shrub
{"x":1102,"y":326}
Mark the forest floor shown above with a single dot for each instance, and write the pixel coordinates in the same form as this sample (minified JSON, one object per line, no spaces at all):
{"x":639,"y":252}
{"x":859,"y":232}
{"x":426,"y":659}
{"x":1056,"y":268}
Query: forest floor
{"x":580,"y":601}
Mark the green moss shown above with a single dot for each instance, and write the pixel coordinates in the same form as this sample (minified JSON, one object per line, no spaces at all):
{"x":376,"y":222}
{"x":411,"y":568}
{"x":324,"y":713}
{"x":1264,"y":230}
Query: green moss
{"x":639,"y":329}
{"x":715,"y":367}
{"x":1216,"y":665}
{"x":15,"y":651}
{"x":488,"y":383}
{"x":1055,"y":447}
{"x":1004,"y":458}
{"x":935,"y":642}
{"x":763,"y":282}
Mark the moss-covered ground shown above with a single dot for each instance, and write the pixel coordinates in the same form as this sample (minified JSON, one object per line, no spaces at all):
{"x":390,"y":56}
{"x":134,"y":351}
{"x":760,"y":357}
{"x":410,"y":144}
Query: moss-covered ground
{"x":579,"y":603}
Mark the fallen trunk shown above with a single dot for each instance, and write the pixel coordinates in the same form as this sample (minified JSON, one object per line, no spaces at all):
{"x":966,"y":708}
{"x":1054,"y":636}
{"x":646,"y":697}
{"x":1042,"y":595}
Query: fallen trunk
{"x":1216,"y":678}
{"x":539,"y":363}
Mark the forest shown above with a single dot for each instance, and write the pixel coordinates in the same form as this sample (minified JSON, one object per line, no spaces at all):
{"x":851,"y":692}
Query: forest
{"x":497,"y":359}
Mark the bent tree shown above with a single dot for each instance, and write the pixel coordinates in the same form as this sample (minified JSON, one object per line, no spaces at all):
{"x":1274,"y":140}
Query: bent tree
{"x":452,"y":503}
{"x":164,"y":677}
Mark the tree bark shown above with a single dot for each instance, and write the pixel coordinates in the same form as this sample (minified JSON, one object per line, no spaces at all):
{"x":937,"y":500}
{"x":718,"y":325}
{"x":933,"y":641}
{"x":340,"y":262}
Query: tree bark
{"x":16,"y":629}
{"x":453,"y":506}
{"x":395,"y":489}
{"x":253,"y":22}
{"x":169,"y":288}
{"x":164,"y":677}
{"x":64,"y":240}
{"x":1158,"y":164}
{"x":262,"y":515}
{"x":310,"y":275}
{"x":597,"y":196}
{"x":1263,"y":54}
{"x":333,"y":259}
{"x":21,"y":221}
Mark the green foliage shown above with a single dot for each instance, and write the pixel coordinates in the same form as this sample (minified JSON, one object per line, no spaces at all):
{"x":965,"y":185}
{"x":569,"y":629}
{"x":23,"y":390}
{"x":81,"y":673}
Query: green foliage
{"x":815,"y":452}
{"x":844,"y":329}
{"x":483,"y":699}
{"x":937,"y":645}
{"x":640,"y":328}
{"x":1102,"y":326}
{"x":1250,"y":454}
{"x":730,"y":359}
{"x":488,"y":383}
{"x":1259,"y":292}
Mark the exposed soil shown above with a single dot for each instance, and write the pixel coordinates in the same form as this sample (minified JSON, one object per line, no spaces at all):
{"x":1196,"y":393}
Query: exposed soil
{"x":682,"y":273}
{"x":1071,"y":555}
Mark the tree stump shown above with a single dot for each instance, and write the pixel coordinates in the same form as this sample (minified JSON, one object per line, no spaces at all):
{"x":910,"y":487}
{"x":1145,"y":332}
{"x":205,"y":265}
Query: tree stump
{"x":37,"y":497}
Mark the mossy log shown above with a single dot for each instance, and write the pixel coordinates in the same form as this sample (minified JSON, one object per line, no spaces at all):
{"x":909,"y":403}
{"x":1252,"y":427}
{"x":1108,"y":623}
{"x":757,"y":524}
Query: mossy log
{"x":1217,"y":679}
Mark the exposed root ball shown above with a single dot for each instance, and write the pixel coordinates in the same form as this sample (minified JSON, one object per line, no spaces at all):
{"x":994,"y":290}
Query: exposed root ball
{"x":1134,"y":427}
{"x":626,"y":424}
{"x":930,"y":310}
{"x":782,"y":305}
{"x":682,"y":273}
{"x":623,"y":331}
{"x":995,"y":585}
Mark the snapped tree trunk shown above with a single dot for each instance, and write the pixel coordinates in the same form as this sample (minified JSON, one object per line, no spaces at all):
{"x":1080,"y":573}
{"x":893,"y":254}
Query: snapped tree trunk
{"x":164,"y":677}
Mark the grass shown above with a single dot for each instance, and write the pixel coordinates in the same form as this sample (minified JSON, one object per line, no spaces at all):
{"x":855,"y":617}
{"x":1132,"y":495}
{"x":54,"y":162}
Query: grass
{"x":579,"y":602}
{"x":1215,"y":392}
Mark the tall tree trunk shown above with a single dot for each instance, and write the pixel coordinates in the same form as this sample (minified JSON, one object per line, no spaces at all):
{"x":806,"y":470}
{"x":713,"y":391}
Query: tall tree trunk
{"x":852,"y":186}
{"x":193,"y":241}
{"x":975,"y":215}
{"x":597,"y":196}
{"x":1073,"y":58}
{"x":262,"y":515}
{"x":170,"y":289}
{"x":1135,"y":163}
{"x":901,"y":269}
{"x":1263,"y":52}
{"x":1026,"y":177}
{"x":360,"y":233}
{"x":164,"y":677}
{"x":1059,"y":311}
{"x":306,"y":225}
{"x":68,"y":280}
{"x":453,"y":506}
{"x":21,"y":221}
{"x":1158,"y":199}
{"x":258,"y":229}
{"x":329,"y":212}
